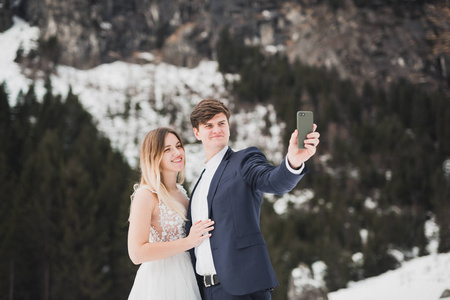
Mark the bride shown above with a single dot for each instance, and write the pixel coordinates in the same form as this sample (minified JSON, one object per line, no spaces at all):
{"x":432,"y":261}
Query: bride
{"x":156,"y":236}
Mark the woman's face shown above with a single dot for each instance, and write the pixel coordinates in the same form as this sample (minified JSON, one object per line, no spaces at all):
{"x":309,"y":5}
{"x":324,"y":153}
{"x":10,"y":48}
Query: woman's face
{"x":173,"y":155}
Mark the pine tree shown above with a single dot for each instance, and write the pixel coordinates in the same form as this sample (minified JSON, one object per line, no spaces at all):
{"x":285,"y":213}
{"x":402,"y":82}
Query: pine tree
{"x":7,"y":209}
{"x":40,"y":197}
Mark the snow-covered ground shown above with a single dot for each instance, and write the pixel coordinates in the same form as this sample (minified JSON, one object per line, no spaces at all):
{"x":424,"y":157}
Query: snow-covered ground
{"x":128,"y":100}
{"x":423,"y":278}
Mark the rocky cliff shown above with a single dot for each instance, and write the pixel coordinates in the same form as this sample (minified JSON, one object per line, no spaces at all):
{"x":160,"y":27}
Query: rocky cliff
{"x":374,"y":44}
{"x":377,"y":43}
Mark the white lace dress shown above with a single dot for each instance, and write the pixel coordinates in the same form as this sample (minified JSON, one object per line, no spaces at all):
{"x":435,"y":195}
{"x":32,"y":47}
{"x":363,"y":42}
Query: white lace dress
{"x":170,"y":278}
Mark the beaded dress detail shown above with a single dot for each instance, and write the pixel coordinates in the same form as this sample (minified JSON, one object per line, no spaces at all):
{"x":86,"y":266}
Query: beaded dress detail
{"x":172,"y":277}
{"x":172,"y":224}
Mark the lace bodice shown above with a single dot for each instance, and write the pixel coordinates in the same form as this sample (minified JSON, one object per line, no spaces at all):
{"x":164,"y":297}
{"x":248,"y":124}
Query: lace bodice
{"x":171,"y":223}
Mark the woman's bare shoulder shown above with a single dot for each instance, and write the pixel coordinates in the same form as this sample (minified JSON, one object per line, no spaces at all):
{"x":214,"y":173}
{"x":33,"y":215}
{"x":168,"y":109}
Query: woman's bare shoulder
{"x":145,"y":197}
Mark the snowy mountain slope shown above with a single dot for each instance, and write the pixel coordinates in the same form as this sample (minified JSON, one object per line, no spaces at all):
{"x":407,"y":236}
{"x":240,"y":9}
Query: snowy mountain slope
{"x":424,"y":278}
{"x":127,"y":100}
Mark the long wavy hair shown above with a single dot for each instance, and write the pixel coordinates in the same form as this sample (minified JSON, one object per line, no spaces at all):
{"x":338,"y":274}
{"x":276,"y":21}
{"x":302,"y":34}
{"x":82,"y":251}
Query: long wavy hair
{"x":152,"y":150}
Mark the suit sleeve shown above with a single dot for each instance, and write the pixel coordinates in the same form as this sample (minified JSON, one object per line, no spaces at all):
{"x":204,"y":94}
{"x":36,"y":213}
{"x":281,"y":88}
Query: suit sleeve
{"x":261,"y":175}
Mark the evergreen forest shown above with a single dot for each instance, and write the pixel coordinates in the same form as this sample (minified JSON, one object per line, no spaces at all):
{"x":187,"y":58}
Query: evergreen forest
{"x":63,"y":208}
{"x":388,"y":146}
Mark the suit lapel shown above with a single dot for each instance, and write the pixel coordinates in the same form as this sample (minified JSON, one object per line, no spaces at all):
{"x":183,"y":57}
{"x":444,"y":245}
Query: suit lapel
{"x":216,"y":178}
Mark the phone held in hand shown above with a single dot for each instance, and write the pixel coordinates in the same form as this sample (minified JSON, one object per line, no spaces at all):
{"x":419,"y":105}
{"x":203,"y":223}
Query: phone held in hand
{"x":305,"y":122}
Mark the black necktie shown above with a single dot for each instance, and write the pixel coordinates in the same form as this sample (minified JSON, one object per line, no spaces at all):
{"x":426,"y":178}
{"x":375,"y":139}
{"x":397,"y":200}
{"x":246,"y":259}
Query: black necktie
{"x":196,"y":185}
{"x":200,"y":178}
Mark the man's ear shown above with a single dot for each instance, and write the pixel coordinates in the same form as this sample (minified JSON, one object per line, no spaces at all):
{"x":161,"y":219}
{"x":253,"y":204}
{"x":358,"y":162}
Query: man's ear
{"x":196,"y":134}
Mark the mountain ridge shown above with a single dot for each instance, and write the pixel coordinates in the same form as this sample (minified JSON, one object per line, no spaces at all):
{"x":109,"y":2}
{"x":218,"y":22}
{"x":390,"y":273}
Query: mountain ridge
{"x":376,"y":43}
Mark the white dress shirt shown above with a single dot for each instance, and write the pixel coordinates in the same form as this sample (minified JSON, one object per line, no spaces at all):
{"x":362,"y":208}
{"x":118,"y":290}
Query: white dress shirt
{"x":199,"y":211}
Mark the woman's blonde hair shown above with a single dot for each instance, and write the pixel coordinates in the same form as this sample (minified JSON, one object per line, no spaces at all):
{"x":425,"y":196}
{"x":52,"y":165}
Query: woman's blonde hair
{"x":152,"y":150}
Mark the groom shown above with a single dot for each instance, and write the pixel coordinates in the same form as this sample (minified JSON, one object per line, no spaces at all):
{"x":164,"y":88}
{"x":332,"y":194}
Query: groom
{"x":234,"y":262}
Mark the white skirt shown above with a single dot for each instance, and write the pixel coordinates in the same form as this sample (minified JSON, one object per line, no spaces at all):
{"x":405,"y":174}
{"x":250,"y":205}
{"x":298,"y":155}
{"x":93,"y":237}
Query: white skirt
{"x":170,"y":278}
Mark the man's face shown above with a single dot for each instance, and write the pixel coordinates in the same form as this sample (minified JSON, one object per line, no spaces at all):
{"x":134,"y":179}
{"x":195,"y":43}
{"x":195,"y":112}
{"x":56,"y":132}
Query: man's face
{"x":214,"y":134}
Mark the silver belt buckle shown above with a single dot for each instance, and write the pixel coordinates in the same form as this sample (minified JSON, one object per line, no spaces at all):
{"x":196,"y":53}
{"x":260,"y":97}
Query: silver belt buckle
{"x":204,"y":280}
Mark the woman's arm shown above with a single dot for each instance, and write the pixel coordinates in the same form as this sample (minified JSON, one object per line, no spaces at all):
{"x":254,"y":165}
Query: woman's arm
{"x":140,"y":249}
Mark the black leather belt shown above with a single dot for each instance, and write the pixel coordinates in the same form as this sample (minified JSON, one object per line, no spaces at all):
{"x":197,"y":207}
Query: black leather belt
{"x":210,"y":280}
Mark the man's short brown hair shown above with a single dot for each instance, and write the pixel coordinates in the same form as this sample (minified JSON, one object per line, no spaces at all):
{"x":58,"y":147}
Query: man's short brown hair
{"x":206,"y":109}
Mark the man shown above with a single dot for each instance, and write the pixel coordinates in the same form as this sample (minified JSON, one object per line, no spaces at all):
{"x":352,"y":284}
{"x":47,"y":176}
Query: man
{"x":234,"y":262}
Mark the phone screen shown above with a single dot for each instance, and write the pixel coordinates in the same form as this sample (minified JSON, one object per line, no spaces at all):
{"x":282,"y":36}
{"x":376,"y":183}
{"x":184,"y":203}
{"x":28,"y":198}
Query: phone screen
{"x":305,"y":122}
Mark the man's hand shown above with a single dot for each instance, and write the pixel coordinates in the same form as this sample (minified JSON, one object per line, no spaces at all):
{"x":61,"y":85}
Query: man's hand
{"x":296,"y":157}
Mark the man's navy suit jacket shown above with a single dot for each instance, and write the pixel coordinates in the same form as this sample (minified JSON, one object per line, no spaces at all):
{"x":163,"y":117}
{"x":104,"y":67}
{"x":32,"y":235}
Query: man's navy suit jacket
{"x":235,"y":196}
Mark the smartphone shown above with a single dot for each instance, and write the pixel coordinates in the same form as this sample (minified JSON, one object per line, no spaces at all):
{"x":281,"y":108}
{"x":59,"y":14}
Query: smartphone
{"x":305,"y":122}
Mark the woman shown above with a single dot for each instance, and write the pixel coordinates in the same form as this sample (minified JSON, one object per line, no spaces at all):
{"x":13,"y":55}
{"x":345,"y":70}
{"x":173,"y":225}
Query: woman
{"x":156,"y":236}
